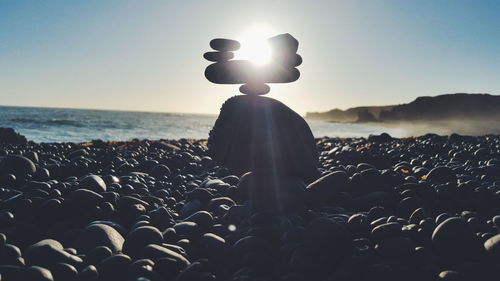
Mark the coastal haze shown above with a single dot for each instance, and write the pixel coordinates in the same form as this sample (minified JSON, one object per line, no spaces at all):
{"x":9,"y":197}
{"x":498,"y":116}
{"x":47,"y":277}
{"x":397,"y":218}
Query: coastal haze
{"x":470,"y":114}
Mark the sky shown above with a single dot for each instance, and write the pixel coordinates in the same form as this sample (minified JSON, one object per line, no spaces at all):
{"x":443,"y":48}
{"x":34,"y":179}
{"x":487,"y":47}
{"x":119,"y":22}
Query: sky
{"x":147,"y":55}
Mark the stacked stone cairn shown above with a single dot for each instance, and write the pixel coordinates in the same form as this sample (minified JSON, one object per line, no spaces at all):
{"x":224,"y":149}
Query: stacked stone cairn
{"x":281,"y":68}
{"x":259,"y":137}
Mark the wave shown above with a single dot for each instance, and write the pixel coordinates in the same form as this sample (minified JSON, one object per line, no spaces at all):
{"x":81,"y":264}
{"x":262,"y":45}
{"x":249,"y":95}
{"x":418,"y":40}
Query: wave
{"x":50,"y":122}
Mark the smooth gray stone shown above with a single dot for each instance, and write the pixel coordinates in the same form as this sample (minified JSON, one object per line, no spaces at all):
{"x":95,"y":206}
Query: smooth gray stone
{"x":18,"y":165}
{"x":255,"y":89}
{"x":284,"y":43}
{"x":156,"y":252}
{"x":188,"y":229}
{"x":455,"y":240}
{"x":202,"y":218}
{"x":114,"y":267}
{"x":64,"y":271}
{"x":492,"y":247}
{"x":48,"y":252}
{"x":94,"y":183}
{"x":37,"y":273}
{"x":218,"y":56}
{"x":221,"y":44}
{"x":284,"y":48}
{"x":86,"y":197}
{"x":325,"y":188}
{"x":96,"y":235}
{"x":140,"y":237}
{"x":441,"y":174}
{"x":271,"y":192}
{"x":287,"y":59}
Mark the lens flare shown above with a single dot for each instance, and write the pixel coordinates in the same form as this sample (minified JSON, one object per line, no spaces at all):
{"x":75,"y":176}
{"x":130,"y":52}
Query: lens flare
{"x":254,"y":45}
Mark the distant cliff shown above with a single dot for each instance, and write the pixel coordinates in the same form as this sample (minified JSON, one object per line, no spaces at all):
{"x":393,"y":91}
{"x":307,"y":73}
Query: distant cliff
{"x":444,"y":107}
{"x":355,"y":114}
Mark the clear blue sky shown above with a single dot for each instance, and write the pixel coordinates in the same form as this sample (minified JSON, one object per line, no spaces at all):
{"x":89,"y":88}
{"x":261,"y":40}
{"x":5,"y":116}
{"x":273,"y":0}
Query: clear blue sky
{"x":147,"y":55}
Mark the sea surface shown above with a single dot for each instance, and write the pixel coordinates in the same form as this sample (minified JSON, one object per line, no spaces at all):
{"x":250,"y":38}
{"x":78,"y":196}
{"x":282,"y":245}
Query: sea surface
{"x":81,"y":125}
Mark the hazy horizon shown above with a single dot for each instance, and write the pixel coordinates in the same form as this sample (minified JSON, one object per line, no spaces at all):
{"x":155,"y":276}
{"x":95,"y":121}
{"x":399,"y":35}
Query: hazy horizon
{"x":147,"y":56}
{"x":211,"y":113}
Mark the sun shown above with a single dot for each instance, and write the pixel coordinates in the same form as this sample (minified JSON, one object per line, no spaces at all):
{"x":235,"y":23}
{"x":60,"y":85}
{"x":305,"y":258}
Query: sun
{"x":254,"y":45}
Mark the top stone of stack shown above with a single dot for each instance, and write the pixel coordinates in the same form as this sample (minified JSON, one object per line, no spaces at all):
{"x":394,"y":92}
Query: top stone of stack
{"x":280,"y":69}
{"x":225,"y":45}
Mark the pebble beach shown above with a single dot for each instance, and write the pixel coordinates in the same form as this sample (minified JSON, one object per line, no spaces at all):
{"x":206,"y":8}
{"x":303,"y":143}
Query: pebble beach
{"x":423,"y":208}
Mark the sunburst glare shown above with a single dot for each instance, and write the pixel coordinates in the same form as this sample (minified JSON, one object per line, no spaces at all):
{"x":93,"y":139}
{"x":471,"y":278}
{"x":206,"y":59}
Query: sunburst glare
{"x":254,"y":45}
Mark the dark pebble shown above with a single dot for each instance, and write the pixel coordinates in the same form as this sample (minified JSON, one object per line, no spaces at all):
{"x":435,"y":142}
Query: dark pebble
{"x":96,"y":235}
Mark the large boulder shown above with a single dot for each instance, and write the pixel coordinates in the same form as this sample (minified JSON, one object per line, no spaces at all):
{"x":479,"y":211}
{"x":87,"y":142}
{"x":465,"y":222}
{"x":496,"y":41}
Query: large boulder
{"x":8,"y":135}
{"x":255,"y":133}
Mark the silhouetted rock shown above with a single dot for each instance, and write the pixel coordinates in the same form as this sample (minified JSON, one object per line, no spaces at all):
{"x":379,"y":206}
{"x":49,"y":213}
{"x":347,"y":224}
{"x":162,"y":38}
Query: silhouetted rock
{"x":442,"y":107}
{"x":284,"y":43}
{"x":455,"y":240}
{"x":280,"y":68}
{"x":273,"y":192}
{"x":284,"y":48}
{"x":64,"y":271}
{"x":366,"y":116}
{"x":94,"y":183}
{"x":254,"y":89}
{"x":11,"y":255}
{"x":8,"y":135}
{"x":384,"y":137}
{"x":468,"y":108}
{"x":156,"y":252}
{"x":140,"y":237}
{"x":96,"y":235}
{"x":218,"y":56}
{"x":257,"y":133}
{"x":115,"y":267}
{"x":324,"y":189}
{"x":441,"y":175}
{"x":225,"y":45}
{"x":348,"y":115}
{"x":326,"y":242}
{"x":48,"y":252}
{"x":17,"y":165}
{"x":37,"y":273}
{"x":242,"y":71}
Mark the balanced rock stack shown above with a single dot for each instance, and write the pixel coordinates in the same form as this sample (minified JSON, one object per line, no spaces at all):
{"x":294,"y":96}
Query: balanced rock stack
{"x":262,"y":135}
{"x":280,"y":69}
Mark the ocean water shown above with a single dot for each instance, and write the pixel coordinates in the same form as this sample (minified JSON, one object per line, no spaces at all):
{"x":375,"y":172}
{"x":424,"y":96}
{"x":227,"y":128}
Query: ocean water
{"x":80,"y":125}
